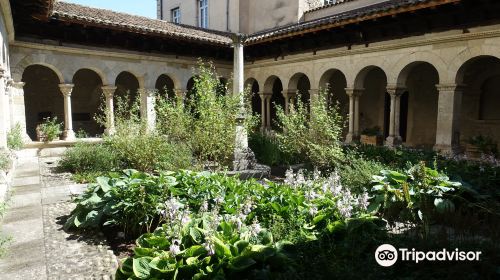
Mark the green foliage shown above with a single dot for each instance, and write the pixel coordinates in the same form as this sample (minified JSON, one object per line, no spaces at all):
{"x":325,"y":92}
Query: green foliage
{"x":205,"y":249}
{"x":356,"y":171}
{"x":485,"y":144}
{"x":314,"y":136}
{"x":5,"y":160}
{"x":90,"y":157}
{"x":206,"y":121}
{"x":50,"y":129}
{"x":267,"y":150}
{"x":4,"y":240}
{"x":15,"y":138}
{"x":415,"y":195}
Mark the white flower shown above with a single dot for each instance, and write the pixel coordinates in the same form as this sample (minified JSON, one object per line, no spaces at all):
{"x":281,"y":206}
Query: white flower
{"x":209,"y":246}
{"x":363,"y":201}
{"x":175,"y":248}
{"x":255,"y":228}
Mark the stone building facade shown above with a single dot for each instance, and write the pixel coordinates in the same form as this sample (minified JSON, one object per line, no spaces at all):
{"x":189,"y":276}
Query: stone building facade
{"x":425,"y":72}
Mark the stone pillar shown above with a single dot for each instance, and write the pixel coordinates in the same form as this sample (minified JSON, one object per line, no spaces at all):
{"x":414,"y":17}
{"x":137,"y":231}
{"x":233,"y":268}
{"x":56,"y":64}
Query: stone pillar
{"x":243,"y":156}
{"x":148,"y":113}
{"x":394,"y":138}
{"x":17,"y":108}
{"x":4,"y":124}
{"x":263,"y":109}
{"x":268,"y":110}
{"x":109,"y":92}
{"x":448,"y":122}
{"x":289,"y":96}
{"x":66,"y":90}
{"x":354,"y":132}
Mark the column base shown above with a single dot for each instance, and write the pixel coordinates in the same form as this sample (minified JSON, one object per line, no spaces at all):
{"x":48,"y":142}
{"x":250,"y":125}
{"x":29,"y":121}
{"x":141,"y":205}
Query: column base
{"x":448,"y":150}
{"x":393,"y":141}
{"x":351,"y":138}
{"x":109,"y":132}
{"x":69,"y":135}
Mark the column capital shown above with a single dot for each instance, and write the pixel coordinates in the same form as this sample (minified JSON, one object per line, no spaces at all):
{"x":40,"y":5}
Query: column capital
{"x":16,"y":85}
{"x":147,"y":92}
{"x":289,"y":93}
{"x":450,"y":87}
{"x":66,"y":89}
{"x":265,"y":94}
{"x":109,"y":90}
{"x":180,"y":92}
{"x":354,"y":91}
{"x":395,"y":89}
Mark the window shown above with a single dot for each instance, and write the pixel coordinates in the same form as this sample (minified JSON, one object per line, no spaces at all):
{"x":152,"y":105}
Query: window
{"x":203,"y":14}
{"x":176,"y":15}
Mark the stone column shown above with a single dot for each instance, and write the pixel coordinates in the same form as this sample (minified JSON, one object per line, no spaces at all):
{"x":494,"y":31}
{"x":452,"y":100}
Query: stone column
{"x":148,"y":113}
{"x":289,"y":96}
{"x":17,"y":108}
{"x":448,"y":122}
{"x":354,"y":95}
{"x":394,"y":138}
{"x":66,"y":90}
{"x":263,"y":109}
{"x":243,"y":157}
{"x":268,"y":110}
{"x":109,"y":92}
{"x":3,"y":113}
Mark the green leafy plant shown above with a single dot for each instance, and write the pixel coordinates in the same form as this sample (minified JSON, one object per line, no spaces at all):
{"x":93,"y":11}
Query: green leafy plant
{"x":484,"y":144}
{"x":267,"y":150}
{"x":50,"y":129}
{"x":5,"y":160}
{"x":314,"y":136}
{"x":15,"y":138}
{"x":414,"y":195}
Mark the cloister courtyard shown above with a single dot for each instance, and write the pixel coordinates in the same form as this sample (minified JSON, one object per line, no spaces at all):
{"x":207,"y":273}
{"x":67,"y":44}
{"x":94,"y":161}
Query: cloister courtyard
{"x":325,"y":148}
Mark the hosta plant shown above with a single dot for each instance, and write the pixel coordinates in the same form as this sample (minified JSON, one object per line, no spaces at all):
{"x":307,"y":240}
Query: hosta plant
{"x":414,"y":195}
{"x":206,"y":247}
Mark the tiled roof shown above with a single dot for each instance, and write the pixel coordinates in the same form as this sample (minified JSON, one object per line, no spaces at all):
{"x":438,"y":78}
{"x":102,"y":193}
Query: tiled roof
{"x":137,"y":24}
{"x":357,"y":15}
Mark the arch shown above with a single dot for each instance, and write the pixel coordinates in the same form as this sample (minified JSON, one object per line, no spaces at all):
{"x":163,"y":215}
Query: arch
{"x":419,"y":104}
{"x":165,"y":86}
{"x":252,"y":86}
{"x":456,"y":66}
{"x":222,"y":86}
{"x":86,"y":101}
{"x":406,"y":62}
{"x":48,"y":61}
{"x":127,"y":86}
{"x":297,"y":80}
{"x":479,"y":79}
{"x":405,"y":72}
{"x":42,"y":97}
{"x":269,"y":83}
{"x":373,"y":105}
{"x":335,"y":82}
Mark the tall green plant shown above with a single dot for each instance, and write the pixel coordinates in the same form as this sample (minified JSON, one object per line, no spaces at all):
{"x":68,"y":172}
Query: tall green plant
{"x":314,"y":135}
{"x":15,"y":138}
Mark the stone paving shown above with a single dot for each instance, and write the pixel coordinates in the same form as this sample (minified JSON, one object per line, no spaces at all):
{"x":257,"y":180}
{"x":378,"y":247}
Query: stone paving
{"x":40,"y":249}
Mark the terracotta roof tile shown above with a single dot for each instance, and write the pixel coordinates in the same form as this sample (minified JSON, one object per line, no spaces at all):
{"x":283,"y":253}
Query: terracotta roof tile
{"x":137,"y":24}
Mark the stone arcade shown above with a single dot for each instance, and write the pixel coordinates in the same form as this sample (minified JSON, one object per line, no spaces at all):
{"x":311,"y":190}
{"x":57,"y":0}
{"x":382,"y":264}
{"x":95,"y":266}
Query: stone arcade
{"x":427,"y":72}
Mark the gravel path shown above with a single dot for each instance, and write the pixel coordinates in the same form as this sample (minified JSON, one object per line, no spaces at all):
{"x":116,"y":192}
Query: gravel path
{"x":40,"y":248}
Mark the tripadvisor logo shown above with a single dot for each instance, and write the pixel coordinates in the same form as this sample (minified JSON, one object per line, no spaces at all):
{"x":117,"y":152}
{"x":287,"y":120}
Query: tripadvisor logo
{"x":387,"y":255}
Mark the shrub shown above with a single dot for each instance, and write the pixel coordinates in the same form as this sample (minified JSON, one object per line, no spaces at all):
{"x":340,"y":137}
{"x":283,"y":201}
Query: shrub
{"x":90,"y":157}
{"x":50,"y":129}
{"x":15,"y":138}
{"x":357,"y":172}
{"x":5,"y":160}
{"x":414,"y":195}
{"x":314,"y":136}
{"x":267,"y":150}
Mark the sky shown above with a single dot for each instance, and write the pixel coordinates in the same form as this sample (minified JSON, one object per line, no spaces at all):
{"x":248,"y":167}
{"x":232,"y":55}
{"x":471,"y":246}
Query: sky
{"x":145,"y":8}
